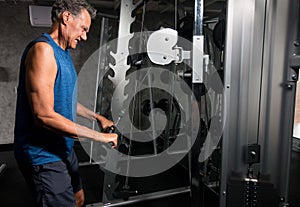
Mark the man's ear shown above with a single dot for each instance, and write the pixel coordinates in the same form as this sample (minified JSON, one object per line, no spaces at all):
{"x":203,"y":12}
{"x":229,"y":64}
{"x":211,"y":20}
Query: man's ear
{"x":66,"y":16}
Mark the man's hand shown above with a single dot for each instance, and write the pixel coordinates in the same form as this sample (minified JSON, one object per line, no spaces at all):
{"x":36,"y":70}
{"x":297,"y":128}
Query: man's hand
{"x":104,"y":122}
{"x":111,"y":138}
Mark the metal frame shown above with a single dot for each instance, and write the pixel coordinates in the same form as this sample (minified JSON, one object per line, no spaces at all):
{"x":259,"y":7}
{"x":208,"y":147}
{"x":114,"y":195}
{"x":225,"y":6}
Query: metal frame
{"x":109,"y":178}
{"x":259,"y":90}
{"x":143,"y":197}
{"x":278,"y":93}
{"x":241,"y":86}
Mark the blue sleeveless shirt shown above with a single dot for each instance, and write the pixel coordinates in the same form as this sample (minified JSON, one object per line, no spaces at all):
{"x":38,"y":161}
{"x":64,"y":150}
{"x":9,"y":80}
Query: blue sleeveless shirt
{"x":36,"y":145}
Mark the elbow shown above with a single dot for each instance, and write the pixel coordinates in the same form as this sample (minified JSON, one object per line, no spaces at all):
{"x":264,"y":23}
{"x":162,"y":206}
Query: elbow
{"x":41,"y":119}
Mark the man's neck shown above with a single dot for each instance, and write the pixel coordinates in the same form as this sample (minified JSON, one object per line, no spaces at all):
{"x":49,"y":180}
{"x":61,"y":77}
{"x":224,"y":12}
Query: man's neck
{"x":56,"y":32}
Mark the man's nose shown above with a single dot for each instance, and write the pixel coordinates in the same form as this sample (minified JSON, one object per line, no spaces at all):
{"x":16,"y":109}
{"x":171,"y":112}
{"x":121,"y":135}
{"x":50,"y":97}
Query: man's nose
{"x":84,"y":36}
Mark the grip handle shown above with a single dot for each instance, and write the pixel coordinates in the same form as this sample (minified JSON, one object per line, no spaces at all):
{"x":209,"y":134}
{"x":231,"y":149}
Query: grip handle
{"x":110,"y":129}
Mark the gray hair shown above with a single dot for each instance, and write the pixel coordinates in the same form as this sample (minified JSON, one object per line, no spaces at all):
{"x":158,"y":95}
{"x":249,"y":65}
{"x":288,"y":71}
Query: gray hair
{"x":73,"y":6}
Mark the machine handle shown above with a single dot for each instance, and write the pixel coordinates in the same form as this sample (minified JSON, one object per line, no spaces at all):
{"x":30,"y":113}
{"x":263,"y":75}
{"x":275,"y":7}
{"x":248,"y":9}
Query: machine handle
{"x":110,"y":129}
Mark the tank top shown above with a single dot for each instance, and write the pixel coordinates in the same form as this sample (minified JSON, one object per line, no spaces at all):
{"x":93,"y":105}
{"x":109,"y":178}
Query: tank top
{"x":33,"y":144}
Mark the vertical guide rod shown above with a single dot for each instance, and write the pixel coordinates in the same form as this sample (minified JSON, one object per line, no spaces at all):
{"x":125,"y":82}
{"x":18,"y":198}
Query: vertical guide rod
{"x":197,"y":80}
{"x":99,"y":77}
{"x":198,"y":41}
{"x":198,"y":17}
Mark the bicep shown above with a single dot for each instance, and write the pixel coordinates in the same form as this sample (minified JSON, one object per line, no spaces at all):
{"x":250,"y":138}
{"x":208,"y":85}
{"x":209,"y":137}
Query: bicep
{"x":40,"y":77}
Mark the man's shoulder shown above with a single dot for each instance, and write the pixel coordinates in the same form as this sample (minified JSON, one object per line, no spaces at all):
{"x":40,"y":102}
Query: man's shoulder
{"x":41,"y":47}
{"x":40,"y":43}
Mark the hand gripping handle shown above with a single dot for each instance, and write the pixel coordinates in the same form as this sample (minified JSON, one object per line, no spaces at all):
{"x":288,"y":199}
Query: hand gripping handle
{"x":110,"y":129}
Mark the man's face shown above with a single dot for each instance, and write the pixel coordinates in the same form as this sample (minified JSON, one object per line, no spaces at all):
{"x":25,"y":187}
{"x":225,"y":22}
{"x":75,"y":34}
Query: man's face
{"x":78,"y":28}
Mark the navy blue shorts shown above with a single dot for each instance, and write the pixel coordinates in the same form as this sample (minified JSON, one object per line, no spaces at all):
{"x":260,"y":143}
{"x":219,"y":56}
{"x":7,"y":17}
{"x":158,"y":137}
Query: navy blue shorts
{"x":53,"y":184}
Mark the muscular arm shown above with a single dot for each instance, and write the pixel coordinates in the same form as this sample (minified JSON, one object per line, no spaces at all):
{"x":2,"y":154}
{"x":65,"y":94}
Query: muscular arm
{"x":40,"y":77}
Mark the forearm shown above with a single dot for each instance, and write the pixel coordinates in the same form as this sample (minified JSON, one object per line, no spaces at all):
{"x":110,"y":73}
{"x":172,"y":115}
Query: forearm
{"x":85,"y":112}
{"x":63,"y":126}
{"x":89,"y":114}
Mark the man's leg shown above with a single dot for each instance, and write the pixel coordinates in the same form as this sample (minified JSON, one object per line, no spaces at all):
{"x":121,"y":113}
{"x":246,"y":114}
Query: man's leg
{"x":79,"y":198}
{"x":73,"y":167}
{"x":50,"y":184}
{"x":27,"y":172}
{"x":56,"y":189}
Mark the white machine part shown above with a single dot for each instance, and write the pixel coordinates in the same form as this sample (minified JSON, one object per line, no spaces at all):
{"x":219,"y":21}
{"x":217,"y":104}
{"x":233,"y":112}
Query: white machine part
{"x":162,"y":50}
{"x":121,"y":66}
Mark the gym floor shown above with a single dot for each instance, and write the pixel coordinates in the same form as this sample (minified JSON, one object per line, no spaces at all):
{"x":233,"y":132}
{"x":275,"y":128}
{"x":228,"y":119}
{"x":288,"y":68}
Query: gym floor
{"x":14,"y":193}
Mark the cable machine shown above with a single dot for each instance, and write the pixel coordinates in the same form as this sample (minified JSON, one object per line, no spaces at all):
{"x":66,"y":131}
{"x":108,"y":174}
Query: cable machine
{"x":212,"y":100}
